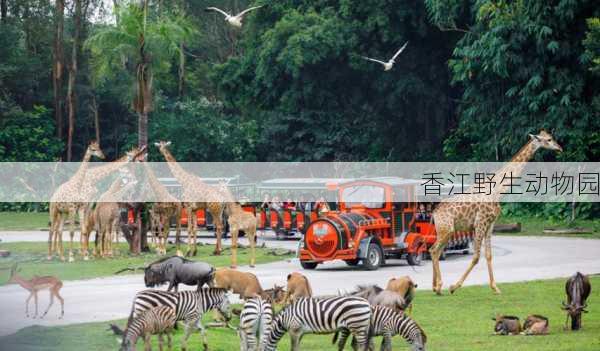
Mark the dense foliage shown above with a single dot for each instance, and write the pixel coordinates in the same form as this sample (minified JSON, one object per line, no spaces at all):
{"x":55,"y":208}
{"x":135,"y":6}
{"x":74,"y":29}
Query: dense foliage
{"x":476,"y":77}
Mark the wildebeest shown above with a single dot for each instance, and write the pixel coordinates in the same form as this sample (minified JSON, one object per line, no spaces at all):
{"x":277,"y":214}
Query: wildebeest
{"x":507,"y":325}
{"x":535,"y":325}
{"x":578,"y":289}
{"x":175,"y":270}
{"x":378,"y":296}
{"x":403,"y":286}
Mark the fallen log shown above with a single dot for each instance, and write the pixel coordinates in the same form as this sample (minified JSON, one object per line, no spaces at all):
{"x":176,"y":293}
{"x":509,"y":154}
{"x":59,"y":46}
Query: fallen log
{"x":507,"y":228}
{"x":568,"y":230}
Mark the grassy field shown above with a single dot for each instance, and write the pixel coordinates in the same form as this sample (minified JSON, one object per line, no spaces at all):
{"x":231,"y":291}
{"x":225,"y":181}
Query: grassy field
{"x":23,"y":221}
{"x":458,"y":322}
{"x":32,"y":260}
{"x":535,"y":227}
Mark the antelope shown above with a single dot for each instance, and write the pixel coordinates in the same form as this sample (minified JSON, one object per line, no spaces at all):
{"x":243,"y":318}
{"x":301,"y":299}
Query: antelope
{"x":36,"y":284}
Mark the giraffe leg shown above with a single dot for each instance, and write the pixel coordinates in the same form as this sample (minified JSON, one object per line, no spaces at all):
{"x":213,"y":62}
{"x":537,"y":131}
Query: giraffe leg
{"x":82,"y":212}
{"x":234,"y":237}
{"x":194,"y":233}
{"x":190,"y":225}
{"x":218,"y":219}
{"x":488,"y":257}
{"x":252,"y":242}
{"x":479,"y":232}
{"x":71,"y":235}
{"x":178,"y":231}
{"x":51,"y":233}
{"x":59,"y":238}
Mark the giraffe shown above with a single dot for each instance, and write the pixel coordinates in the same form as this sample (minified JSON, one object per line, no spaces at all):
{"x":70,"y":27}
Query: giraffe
{"x":193,"y":190}
{"x":106,"y":214}
{"x":67,"y":200}
{"x":453,"y":215}
{"x":239,"y":219}
{"x":165,"y":206}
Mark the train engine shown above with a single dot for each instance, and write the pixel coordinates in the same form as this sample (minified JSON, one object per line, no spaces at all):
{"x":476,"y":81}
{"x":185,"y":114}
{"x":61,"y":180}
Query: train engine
{"x":368,"y":228}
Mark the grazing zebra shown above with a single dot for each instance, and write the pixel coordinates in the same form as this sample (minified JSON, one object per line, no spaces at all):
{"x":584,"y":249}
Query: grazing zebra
{"x":321,"y":316}
{"x":158,"y":320}
{"x":189,"y":307}
{"x":255,"y":321}
{"x":387,"y":322}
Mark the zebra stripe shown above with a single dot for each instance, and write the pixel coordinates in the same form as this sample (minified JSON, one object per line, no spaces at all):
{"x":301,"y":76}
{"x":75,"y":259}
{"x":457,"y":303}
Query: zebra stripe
{"x":189,"y":306}
{"x":157,"y":320}
{"x":321,"y":316}
{"x":255,"y":323}
{"x":387,"y":322}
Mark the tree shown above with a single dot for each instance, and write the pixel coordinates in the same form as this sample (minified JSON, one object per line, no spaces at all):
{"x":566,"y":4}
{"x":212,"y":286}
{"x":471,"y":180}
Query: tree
{"x":139,"y":44}
{"x":302,"y":77}
{"x":519,"y":65}
{"x":58,"y":65}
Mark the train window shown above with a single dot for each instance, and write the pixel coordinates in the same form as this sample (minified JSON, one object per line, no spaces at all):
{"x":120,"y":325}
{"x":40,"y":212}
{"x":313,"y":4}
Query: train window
{"x":370,"y":196}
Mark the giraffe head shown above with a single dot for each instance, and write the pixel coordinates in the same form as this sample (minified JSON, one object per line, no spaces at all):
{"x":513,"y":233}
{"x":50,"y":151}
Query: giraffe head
{"x":545,"y":140}
{"x":94,"y":150}
{"x":162,"y":145}
{"x":136,"y":154}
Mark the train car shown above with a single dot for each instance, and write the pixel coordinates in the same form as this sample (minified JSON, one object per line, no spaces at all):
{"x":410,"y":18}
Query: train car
{"x":293,"y":222}
{"x":371,"y":225}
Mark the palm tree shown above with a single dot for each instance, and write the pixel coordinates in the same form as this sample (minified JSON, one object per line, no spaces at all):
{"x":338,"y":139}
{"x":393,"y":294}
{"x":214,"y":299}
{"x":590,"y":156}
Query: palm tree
{"x":137,"y":43}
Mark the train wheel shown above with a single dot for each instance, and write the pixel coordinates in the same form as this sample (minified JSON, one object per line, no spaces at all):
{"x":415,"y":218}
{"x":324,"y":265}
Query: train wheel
{"x":414,"y":259}
{"x":308,"y":264}
{"x":374,"y":257}
{"x":352,"y":263}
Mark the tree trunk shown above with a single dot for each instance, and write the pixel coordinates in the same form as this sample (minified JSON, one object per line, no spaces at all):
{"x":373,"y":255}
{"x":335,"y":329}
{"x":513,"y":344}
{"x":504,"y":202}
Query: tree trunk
{"x":71,"y":97}
{"x":181,"y":70}
{"x":94,"y":108}
{"x":3,"y":10}
{"x":57,"y":69}
{"x":142,"y":129}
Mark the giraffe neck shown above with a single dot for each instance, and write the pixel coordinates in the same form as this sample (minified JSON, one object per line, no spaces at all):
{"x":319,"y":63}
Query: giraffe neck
{"x":114,"y":188}
{"x":182,"y":175}
{"x":514,"y":168}
{"x":83,"y":167}
{"x":95,"y":174}
{"x":159,"y":189}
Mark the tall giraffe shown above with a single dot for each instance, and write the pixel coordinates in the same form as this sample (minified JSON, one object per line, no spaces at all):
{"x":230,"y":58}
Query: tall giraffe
{"x":193,"y":190}
{"x":106,"y":213}
{"x":452,"y":215}
{"x":89,"y":191}
{"x":165,"y":206}
{"x":67,"y":201}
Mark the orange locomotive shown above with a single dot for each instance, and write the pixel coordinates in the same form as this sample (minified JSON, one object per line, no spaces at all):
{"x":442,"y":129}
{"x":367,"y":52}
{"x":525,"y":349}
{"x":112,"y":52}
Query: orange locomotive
{"x":370,"y":226}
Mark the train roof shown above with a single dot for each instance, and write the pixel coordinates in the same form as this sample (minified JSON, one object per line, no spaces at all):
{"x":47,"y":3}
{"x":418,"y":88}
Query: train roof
{"x":302,"y":183}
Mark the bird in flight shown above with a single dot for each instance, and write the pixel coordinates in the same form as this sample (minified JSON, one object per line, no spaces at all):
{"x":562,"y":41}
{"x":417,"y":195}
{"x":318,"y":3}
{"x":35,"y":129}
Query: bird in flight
{"x":388,"y":65}
{"x":236,"y":20}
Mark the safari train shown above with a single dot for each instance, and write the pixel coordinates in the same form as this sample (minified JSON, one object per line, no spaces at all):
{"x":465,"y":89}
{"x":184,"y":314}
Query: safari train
{"x":368,"y":221}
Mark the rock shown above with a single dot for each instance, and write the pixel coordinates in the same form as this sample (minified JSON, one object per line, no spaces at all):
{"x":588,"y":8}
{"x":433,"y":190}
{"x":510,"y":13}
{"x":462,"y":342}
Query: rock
{"x":4,"y":253}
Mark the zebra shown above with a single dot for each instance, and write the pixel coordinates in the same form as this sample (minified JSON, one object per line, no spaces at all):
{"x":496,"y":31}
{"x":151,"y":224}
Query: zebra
{"x":157,"y":320}
{"x":189,"y":307}
{"x":255,"y":320}
{"x":320,"y":316}
{"x":387,"y":322}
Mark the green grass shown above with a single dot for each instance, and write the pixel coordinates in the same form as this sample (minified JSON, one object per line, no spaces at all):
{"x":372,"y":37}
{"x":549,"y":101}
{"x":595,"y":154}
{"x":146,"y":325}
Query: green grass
{"x":31,"y":257}
{"x":533,"y":226}
{"x":23,"y":221}
{"x":452,"y":322}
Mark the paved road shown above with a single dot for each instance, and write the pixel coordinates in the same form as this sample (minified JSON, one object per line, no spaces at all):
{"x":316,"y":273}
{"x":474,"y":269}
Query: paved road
{"x":515,"y":259}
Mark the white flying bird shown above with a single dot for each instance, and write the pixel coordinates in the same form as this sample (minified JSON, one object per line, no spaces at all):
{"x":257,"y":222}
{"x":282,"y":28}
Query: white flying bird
{"x":388,"y":65}
{"x":236,"y":20}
